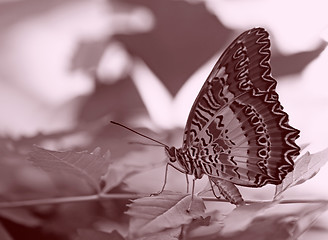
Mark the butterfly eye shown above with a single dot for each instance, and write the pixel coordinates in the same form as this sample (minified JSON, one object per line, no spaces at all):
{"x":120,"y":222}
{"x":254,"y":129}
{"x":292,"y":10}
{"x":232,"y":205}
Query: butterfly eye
{"x":171,"y":152}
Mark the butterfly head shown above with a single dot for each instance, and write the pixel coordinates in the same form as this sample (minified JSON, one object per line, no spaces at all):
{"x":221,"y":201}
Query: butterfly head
{"x":177,"y":155}
{"x":171,"y":153}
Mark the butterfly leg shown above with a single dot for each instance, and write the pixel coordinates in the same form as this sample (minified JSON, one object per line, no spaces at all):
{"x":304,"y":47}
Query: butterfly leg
{"x":187,"y":180}
{"x":192,"y":195}
{"x":165,"y":177}
{"x":228,"y":190}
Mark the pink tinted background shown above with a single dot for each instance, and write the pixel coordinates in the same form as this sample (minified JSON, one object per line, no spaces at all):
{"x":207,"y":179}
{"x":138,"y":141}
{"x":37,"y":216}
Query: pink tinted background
{"x":64,"y":63}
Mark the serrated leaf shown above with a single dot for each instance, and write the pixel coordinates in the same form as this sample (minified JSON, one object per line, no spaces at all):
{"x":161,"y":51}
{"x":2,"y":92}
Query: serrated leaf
{"x":151,"y":215}
{"x":305,"y":168}
{"x":87,"y":166}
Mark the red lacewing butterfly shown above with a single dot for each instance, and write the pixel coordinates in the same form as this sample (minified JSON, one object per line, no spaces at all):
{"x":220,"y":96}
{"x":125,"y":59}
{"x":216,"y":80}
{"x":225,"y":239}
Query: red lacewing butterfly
{"x":237,"y":131}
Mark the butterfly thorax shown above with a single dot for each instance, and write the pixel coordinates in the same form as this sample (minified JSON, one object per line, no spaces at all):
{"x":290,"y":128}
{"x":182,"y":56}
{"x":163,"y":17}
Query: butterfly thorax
{"x":185,"y":160}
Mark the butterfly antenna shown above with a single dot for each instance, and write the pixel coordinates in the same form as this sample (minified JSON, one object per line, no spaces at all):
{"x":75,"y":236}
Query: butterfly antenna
{"x":146,"y":144}
{"x":121,"y":125}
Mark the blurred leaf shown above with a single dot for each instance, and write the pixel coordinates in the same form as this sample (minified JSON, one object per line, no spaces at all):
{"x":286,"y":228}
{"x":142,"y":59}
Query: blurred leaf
{"x":88,"y":166}
{"x":240,"y":217}
{"x":55,"y":218}
{"x":308,"y":216}
{"x":70,"y":216}
{"x":21,"y":216}
{"x":280,"y":226}
{"x":112,"y":100}
{"x":294,"y":63}
{"x":21,"y":182}
{"x":15,"y":12}
{"x":87,"y":234}
{"x":134,"y":158}
{"x":305,"y":168}
{"x":80,"y":136}
{"x":88,"y":55}
{"x":21,"y":232}
{"x":116,"y":174}
{"x":6,"y":145}
{"x":275,"y":226}
{"x":151,"y":215}
{"x":177,"y":55}
{"x":4,"y":235}
{"x":133,"y":163}
{"x":61,"y":220}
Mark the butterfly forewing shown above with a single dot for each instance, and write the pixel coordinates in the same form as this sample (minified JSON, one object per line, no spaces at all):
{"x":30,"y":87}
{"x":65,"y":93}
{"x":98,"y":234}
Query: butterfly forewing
{"x":236,"y":129}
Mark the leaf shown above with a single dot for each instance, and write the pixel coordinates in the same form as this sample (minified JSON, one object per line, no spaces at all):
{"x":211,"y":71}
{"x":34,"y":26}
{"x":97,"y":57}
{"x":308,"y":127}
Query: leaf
{"x":305,"y":168}
{"x":240,"y":217}
{"x":88,"y":166}
{"x":4,"y":235}
{"x":68,"y":217}
{"x":84,"y":135}
{"x":20,"y":181}
{"x":283,"y":226}
{"x":87,"y":234}
{"x":211,"y":223}
{"x":274,"y":227}
{"x":151,"y":215}
{"x":88,"y":55}
{"x":129,"y":165}
{"x":308,"y":216}
{"x":200,"y":222}
{"x":168,"y":234}
{"x":21,"y":216}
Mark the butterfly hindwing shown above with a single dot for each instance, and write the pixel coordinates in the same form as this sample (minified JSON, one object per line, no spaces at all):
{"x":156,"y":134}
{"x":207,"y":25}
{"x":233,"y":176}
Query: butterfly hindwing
{"x":236,"y":129}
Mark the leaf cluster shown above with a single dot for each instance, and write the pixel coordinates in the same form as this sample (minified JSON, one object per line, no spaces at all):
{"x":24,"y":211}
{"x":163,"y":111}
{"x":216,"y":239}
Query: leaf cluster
{"x":92,"y":195}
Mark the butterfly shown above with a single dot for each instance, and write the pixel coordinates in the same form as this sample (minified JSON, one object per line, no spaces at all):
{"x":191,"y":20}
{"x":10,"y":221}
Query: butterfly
{"x":237,"y":132}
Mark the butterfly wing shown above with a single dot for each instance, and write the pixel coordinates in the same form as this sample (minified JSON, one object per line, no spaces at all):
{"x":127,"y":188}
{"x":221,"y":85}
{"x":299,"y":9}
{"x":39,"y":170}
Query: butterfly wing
{"x":237,"y":129}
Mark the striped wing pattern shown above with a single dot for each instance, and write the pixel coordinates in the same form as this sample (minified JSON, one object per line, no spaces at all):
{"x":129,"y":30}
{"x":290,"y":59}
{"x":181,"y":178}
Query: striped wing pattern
{"x":237,"y":130}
